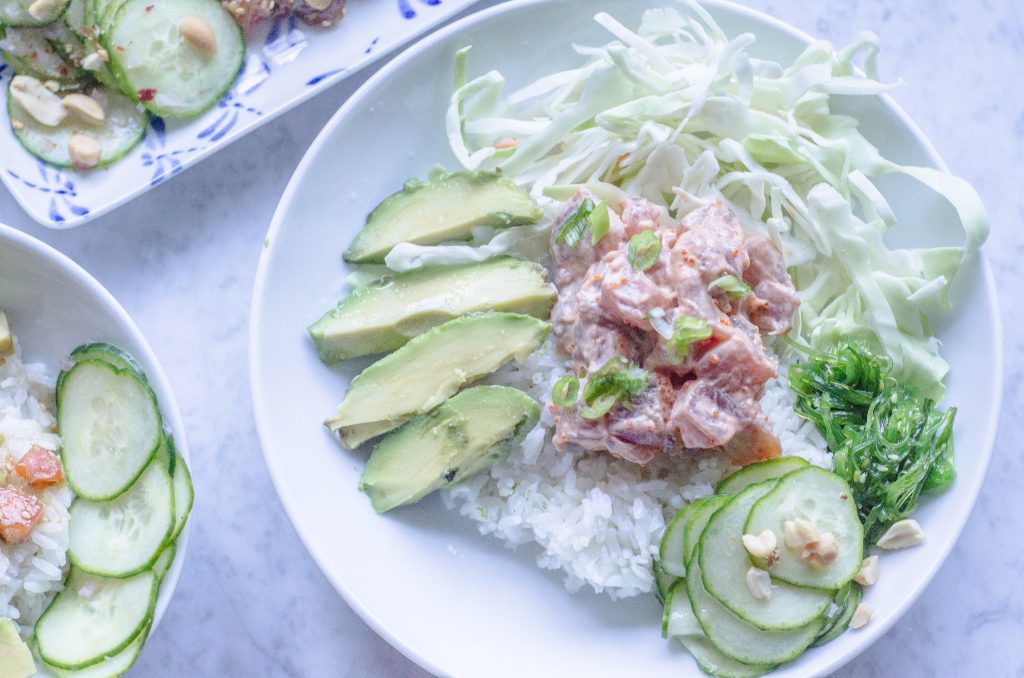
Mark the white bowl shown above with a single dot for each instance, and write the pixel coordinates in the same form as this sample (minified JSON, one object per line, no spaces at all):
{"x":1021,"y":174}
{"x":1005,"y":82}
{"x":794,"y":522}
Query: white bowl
{"x":53,"y":306}
{"x":455,"y":601}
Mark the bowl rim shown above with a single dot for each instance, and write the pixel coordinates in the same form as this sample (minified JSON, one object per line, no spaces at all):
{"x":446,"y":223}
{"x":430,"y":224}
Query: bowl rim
{"x":365,"y":92}
{"x":154,"y":373}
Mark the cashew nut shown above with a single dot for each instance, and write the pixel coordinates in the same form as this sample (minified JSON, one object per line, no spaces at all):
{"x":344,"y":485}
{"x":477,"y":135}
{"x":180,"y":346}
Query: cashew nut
{"x":199,"y":34}
{"x":902,"y":534}
{"x":38,"y":101}
{"x":868,"y":574}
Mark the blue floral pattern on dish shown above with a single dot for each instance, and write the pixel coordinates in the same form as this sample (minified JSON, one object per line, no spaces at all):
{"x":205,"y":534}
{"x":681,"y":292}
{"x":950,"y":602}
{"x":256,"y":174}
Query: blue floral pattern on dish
{"x":286,"y":62}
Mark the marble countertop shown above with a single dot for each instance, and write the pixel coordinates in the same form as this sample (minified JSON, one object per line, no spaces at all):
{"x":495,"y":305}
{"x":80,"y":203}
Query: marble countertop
{"x":182,"y":260}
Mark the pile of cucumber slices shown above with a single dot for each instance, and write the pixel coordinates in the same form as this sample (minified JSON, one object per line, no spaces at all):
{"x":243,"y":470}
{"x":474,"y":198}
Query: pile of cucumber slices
{"x":133,"y":497}
{"x":702,"y":573}
{"x":173,"y":58}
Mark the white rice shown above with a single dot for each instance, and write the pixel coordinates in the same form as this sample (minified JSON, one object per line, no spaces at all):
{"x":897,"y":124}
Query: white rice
{"x":32,"y":572}
{"x":596,"y":518}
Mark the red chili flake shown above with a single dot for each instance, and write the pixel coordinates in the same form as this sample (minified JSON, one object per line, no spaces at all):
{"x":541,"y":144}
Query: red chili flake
{"x":149,"y":8}
{"x":146,"y":94}
{"x":119,"y":49}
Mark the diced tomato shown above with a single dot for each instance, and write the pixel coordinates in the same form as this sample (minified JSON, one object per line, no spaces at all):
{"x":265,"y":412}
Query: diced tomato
{"x":39,"y":466}
{"x":19,"y":513}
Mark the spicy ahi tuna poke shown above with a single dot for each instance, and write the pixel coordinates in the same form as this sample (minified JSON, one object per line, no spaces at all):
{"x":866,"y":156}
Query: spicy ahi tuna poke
{"x":652,"y":329}
{"x":93,"y":497}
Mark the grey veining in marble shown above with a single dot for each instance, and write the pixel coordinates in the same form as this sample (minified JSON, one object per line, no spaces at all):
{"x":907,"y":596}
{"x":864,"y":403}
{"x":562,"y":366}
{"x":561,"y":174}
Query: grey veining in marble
{"x":182,"y":260}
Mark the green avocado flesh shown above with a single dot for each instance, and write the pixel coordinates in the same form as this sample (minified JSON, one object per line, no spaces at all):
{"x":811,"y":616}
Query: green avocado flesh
{"x":456,"y":440}
{"x":431,"y":368}
{"x":446,"y":207}
{"x":15,"y":656}
{"x":388,"y":313}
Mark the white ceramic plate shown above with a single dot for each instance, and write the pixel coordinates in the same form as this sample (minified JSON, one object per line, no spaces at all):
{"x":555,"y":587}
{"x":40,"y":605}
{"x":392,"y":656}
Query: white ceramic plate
{"x":286,"y":64}
{"x":455,"y":601}
{"x":53,"y":306}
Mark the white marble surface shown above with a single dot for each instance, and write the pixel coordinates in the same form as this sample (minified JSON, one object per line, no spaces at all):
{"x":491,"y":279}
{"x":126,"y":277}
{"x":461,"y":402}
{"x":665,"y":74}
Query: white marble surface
{"x":182,"y":260}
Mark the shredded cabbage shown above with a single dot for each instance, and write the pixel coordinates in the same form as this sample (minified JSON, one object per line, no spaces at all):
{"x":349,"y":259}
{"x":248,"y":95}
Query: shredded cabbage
{"x":679,"y":113}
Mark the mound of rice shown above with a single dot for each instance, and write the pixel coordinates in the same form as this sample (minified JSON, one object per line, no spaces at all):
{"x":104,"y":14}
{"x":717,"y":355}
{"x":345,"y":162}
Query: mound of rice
{"x":596,"y":518}
{"x":30,"y":573}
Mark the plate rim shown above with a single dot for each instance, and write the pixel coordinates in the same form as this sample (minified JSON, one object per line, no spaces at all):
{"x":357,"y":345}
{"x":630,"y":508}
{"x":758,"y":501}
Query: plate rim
{"x":368,"y":90}
{"x":155,"y":374}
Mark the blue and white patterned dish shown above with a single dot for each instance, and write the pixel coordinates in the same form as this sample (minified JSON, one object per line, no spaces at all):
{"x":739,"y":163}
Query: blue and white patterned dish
{"x":287,"y":63}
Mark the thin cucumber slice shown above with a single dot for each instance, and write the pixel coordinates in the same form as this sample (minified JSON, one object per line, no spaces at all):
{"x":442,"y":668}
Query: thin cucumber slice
{"x":695,"y":526}
{"x":111,"y":429}
{"x":684,"y":627}
{"x":94,"y":618}
{"x":30,"y":52}
{"x":847,"y":605}
{"x":184,"y":494}
{"x":113,"y":667}
{"x":672,"y":553}
{"x":725,"y":562}
{"x":740,"y":480}
{"x":124,"y":128}
{"x":15,"y":13}
{"x":836,"y":609}
{"x":163,"y":564}
{"x":736,"y":638}
{"x":116,"y":357}
{"x":162,"y":70}
{"x":714,"y":663}
{"x":165,"y":453}
{"x":125,"y":536}
{"x":663,"y":581}
{"x":679,"y":619}
{"x":825,"y":500}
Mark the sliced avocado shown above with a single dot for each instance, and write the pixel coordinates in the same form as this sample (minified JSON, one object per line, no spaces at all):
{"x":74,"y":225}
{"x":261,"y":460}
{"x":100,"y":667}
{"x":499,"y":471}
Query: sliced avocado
{"x":6,"y":339}
{"x":431,"y":368}
{"x":453,"y":442}
{"x":446,"y":207}
{"x":384,"y":315}
{"x":15,"y":656}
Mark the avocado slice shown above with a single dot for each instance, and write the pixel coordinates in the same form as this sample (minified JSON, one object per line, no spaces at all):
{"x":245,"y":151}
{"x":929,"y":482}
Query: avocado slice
{"x":15,"y":656}
{"x":445,"y":207}
{"x":6,"y":338}
{"x":462,"y":436}
{"x":388,"y":313}
{"x":431,"y":368}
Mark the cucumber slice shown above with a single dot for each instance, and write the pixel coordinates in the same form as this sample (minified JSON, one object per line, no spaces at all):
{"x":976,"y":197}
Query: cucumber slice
{"x":663,"y":581}
{"x":684,"y":627}
{"x":125,"y":536}
{"x":110,"y":425}
{"x":736,"y":638}
{"x":679,"y":619}
{"x":116,"y":357}
{"x":163,"y":564}
{"x":15,"y":13}
{"x":826,"y":500}
{"x":124,"y":128}
{"x":725,"y":562}
{"x":714,"y":663}
{"x":672,"y":553}
{"x":30,"y":52}
{"x":847,"y":600}
{"x":161,"y":69}
{"x":697,"y":523}
{"x":94,"y":618}
{"x":113,"y":667}
{"x":165,"y":453}
{"x":738,"y":481}
{"x":184,"y":494}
